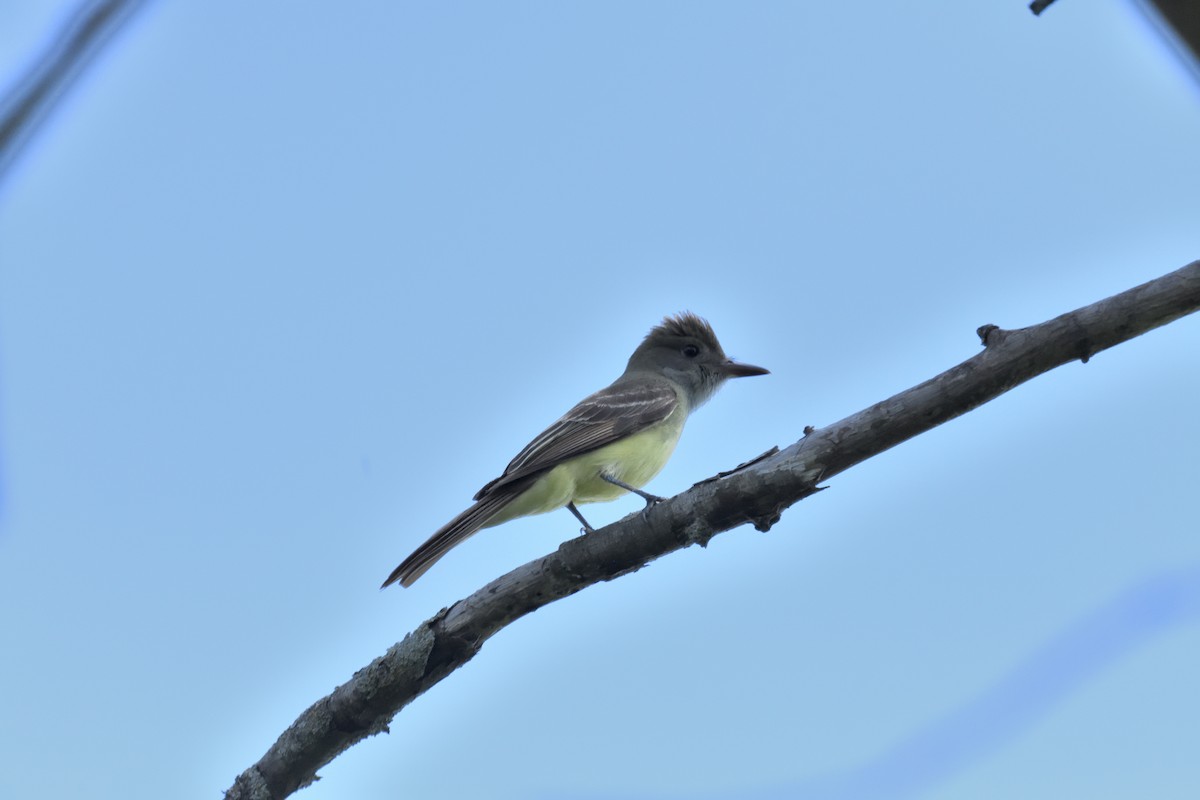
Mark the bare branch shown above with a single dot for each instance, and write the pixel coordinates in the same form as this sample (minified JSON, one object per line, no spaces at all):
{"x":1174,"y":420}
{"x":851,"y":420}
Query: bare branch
{"x":29,"y":100}
{"x":757,"y":493}
{"x":1179,"y":23}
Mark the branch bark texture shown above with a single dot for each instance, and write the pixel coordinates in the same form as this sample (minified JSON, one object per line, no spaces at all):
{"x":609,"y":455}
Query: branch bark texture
{"x":757,"y":493}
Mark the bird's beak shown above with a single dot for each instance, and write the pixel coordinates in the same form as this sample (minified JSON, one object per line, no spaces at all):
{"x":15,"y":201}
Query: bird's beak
{"x":732,"y":369}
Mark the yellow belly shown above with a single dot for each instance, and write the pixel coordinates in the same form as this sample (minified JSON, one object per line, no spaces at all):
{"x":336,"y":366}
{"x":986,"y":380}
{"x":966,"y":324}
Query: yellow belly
{"x":633,"y":460}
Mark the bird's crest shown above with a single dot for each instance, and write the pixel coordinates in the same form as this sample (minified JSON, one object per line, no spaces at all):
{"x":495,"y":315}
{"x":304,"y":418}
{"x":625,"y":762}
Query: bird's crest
{"x":686,"y":324}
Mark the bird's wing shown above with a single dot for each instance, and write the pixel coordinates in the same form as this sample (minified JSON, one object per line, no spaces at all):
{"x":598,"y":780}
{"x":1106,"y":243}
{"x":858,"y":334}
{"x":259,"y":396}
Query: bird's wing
{"x":452,"y":533}
{"x":602,"y":418}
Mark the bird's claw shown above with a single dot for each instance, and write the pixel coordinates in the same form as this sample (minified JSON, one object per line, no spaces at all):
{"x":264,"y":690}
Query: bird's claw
{"x":651,"y":502}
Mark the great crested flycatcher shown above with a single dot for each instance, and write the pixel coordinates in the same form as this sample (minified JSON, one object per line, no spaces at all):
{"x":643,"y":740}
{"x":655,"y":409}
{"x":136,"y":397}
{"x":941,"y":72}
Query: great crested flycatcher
{"x":613,"y":442}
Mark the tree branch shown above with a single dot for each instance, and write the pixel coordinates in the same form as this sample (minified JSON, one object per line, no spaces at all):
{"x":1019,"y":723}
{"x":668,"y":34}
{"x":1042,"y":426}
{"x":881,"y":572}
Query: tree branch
{"x":29,"y":101}
{"x":757,"y":493}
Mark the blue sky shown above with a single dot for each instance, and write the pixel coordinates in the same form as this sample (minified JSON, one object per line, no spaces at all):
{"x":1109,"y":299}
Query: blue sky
{"x":281,"y":285}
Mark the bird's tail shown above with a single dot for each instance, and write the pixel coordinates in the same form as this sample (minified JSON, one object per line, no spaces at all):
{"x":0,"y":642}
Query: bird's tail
{"x":452,"y":533}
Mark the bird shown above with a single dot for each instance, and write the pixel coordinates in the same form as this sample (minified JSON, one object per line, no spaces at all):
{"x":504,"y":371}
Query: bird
{"x":612,"y":442}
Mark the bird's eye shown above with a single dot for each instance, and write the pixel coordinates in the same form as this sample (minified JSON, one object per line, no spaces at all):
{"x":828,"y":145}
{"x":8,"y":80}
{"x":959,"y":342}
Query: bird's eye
{"x":690,"y":350}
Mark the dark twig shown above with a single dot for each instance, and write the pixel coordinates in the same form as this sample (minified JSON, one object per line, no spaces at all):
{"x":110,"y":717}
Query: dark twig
{"x":29,"y":100}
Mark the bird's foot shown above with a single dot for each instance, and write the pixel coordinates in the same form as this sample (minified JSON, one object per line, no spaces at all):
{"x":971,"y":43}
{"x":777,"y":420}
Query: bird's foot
{"x":586,"y":529}
{"x":651,"y":499}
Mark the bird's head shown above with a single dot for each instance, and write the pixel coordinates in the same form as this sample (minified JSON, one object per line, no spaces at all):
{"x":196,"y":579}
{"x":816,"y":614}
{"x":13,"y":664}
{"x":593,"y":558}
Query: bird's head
{"x":685,"y":350}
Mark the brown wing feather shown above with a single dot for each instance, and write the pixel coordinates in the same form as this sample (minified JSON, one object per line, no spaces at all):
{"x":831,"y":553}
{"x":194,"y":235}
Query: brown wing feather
{"x":610,"y":414}
{"x":453,"y":533}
